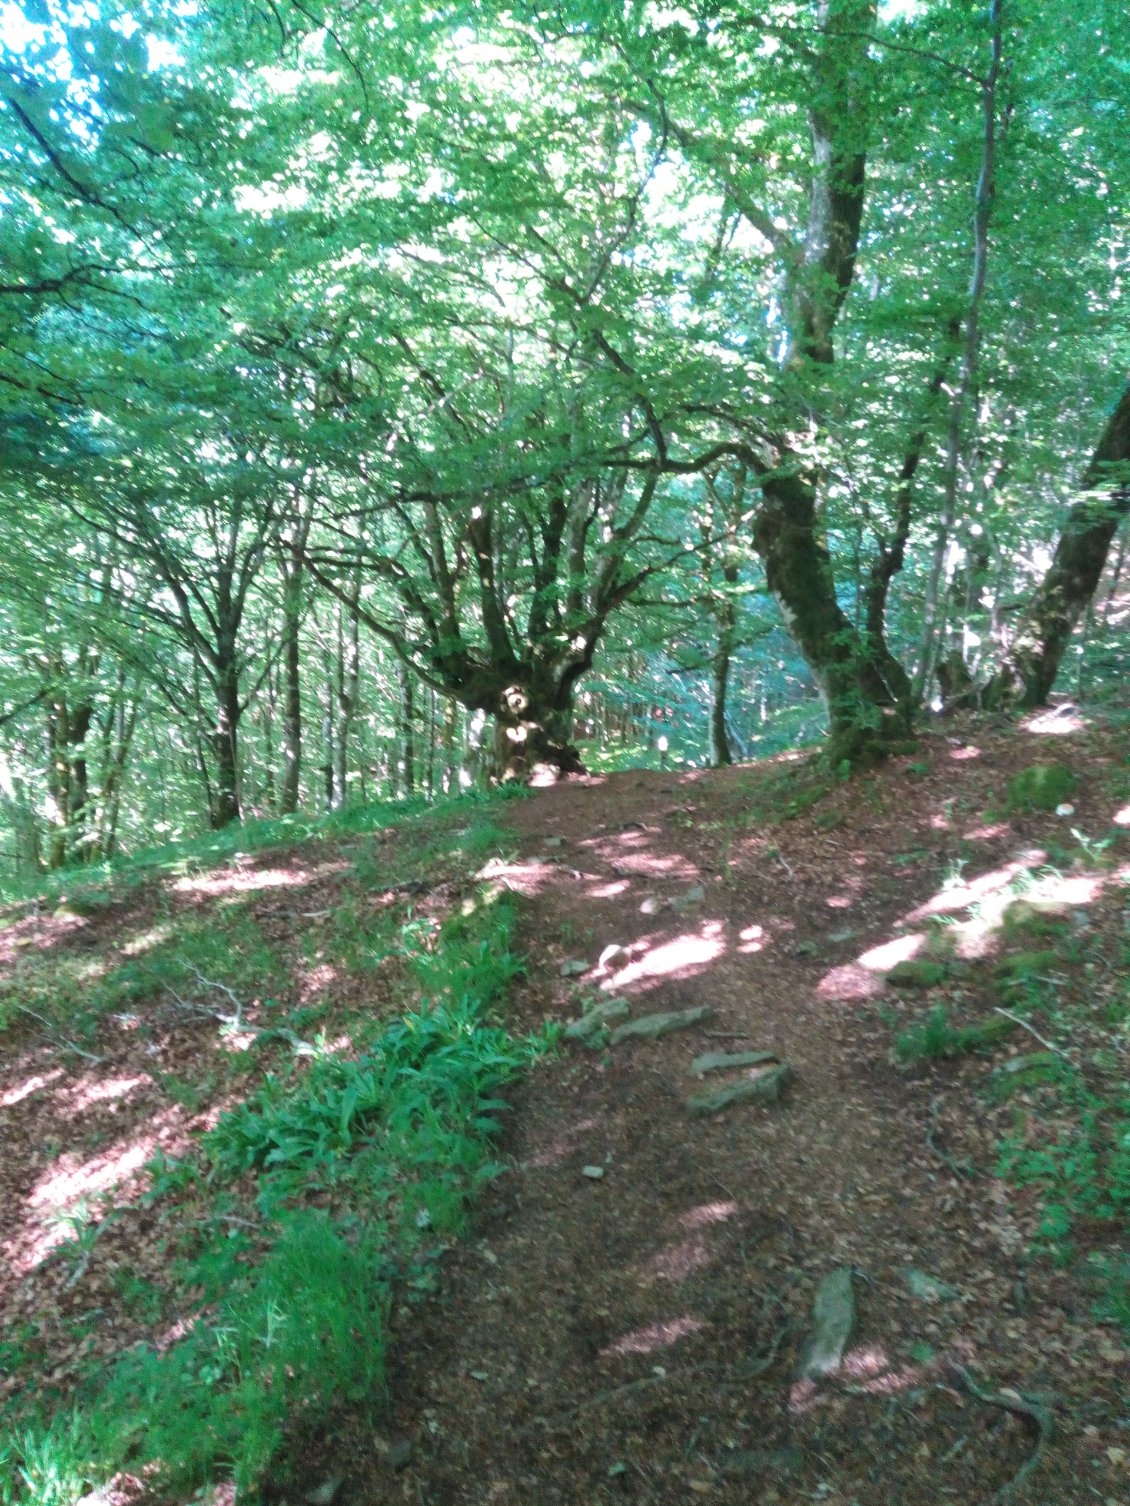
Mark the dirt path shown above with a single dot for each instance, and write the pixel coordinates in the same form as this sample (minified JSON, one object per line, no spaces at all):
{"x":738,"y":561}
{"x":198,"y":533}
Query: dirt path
{"x":635,"y":1337}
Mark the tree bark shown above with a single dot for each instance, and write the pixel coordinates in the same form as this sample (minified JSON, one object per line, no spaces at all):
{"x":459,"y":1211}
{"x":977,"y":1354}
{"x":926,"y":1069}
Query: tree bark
{"x":1027,"y":676}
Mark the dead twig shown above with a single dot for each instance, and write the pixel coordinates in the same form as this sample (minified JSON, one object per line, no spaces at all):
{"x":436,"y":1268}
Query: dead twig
{"x":959,"y":1168}
{"x":1024,"y":1025}
{"x":61,"y":1043}
{"x":1033,"y":1410}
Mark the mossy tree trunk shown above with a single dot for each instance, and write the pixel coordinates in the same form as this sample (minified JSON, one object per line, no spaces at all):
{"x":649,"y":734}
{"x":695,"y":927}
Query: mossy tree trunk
{"x":1037,"y":649}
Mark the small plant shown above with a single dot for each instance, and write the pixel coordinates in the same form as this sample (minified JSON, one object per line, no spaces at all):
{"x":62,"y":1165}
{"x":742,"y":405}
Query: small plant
{"x":1040,"y":787}
{"x":934,"y":1039}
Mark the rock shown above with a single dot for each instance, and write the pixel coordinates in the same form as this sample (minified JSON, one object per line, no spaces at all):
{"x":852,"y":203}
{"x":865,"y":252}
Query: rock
{"x":653,"y":1026}
{"x":479,"y":1375}
{"x":574,"y":968}
{"x":1037,"y":916}
{"x":594,"y":1173}
{"x":614,"y":956}
{"x":928,"y":1288}
{"x":553,"y":842}
{"x":766,"y":1087}
{"x":840,"y":936}
{"x":914,"y":974}
{"x":1040,"y":787}
{"x":652,"y":905}
{"x":323,"y":1494}
{"x":694,"y":896}
{"x":597,"y":1020}
{"x":833,"y":1318}
{"x":722,"y":1061}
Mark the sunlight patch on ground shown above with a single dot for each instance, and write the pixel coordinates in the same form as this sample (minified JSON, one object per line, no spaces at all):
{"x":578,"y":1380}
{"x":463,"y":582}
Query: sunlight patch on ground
{"x":145,"y":941}
{"x":968,"y":892}
{"x":1122,"y":817}
{"x":963,"y":755}
{"x":676,"y":1262}
{"x":90,"y":1090}
{"x":678,"y":958}
{"x":753,"y":939}
{"x":654,"y":1336}
{"x":610,"y":891}
{"x":986,"y":833}
{"x":29,"y":1086}
{"x":242,"y":881}
{"x":1056,"y":723}
{"x":849,"y":983}
{"x":880,"y":959}
{"x":706,"y":1214}
{"x":315,"y":981}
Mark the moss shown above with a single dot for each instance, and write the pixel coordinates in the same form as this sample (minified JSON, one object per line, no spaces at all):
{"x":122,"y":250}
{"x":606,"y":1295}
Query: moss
{"x":918,"y":974}
{"x":1026,"y":918}
{"x":1040,"y":787}
{"x":1024,"y":965}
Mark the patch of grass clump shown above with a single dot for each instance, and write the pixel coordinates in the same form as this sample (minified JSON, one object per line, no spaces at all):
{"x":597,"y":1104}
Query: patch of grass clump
{"x":933,"y":1038}
{"x":345,"y":1170}
{"x":1040,"y":787}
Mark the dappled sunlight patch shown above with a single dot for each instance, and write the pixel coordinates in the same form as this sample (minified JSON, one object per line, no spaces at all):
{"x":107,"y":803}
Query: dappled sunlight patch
{"x":880,"y":959}
{"x":964,"y":755}
{"x":610,"y":890}
{"x":146,"y":940}
{"x":1058,"y":722}
{"x":849,"y":982}
{"x":708,"y":1213}
{"x":940,"y":821}
{"x":753,"y":939}
{"x":966,"y":892}
{"x":315,"y":981}
{"x":676,"y":1262}
{"x":652,"y":1337}
{"x":71,"y":1177}
{"x":30,"y":1085}
{"x":88,"y":1091}
{"x":986,"y":833}
{"x":1122,"y":817}
{"x":678,"y":958}
{"x":839,"y":901}
{"x":241,"y":881}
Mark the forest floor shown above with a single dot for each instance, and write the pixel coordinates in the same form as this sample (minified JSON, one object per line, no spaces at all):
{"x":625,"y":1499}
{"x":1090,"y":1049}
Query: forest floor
{"x":629,"y":1319}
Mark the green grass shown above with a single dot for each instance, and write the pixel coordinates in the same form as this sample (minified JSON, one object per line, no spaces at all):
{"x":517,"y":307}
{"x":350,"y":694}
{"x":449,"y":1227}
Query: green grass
{"x":360,"y":1168}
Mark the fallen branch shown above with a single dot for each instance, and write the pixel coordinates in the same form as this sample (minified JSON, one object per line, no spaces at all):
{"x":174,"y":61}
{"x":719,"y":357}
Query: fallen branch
{"x":959,"y":1168}
{"x":1031,"y":1409}
{"x":1024,"y":1025}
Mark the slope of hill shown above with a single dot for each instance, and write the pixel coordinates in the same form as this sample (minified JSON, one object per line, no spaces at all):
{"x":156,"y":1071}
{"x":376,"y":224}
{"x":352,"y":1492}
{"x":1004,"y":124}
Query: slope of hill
{"x":881,"y":1258}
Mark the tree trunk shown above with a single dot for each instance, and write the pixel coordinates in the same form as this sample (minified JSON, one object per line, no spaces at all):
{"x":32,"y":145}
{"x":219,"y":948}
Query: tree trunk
{"x":725,"y":616}
{"x":407,"y":732}
{"x":225,"y":806}
{"x":866,"y":711}
{"x":1066,"y":590}
{"x":533,"y":727}
{"x":292,"y":689}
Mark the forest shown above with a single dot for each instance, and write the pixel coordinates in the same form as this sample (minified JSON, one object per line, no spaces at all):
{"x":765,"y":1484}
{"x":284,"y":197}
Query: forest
{"x":564,"y":789}
{"x":391,"y":403}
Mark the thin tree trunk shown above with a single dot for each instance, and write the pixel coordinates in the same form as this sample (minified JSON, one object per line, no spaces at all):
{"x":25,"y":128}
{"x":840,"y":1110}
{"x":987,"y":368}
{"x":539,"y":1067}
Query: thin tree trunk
{"x":967,"y":381}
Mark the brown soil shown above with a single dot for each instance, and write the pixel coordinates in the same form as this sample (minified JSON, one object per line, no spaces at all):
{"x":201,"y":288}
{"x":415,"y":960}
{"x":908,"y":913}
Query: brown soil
{"x":636,"y":1337}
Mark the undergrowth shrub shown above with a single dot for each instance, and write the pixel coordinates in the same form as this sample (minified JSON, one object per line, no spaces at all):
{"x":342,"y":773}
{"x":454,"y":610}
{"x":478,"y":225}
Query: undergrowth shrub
{"x":394,"y":1139}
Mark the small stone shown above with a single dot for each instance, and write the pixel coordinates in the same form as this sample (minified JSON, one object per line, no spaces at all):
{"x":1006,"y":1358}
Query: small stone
{"x":597,"y":1019}
{"x":921,"y":1284}
{"x":323,"y":1494}
{"x":479,"y":1375}
{"x":839,"y":936}
{"x":1065,"y":810}
{"x":553,"y":842}
{"x":833,"y":1318}
{"x":573,"y":968}
{"x":765,"y":1088}
{"x":651,"y":905}
{"x":594,"y":1173}
{"x":694,"y":896}
{"x":722,"y":1061}
{"x":653,"y":1026}
{"x":614,"y":956}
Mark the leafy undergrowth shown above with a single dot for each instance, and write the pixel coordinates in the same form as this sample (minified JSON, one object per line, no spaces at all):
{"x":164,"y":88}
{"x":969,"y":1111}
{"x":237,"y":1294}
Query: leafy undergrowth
{"x":326,"y":1082}
{"x":1041,"y":961}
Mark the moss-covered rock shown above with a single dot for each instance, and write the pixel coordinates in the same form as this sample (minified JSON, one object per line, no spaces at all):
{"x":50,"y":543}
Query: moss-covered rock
{"x":1040,"y":787}
{"x":1040,"y":918}
{"x":918,"y":974}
